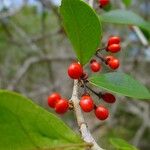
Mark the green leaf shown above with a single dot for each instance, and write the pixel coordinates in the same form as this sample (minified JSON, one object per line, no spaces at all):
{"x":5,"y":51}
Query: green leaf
{"x":120,"y":83}
{"x":26,"y":126}
{"x":125,"y":17}
{"x":127,"y":2}
{"x":121,"y":144}
{"x":82,"y":26}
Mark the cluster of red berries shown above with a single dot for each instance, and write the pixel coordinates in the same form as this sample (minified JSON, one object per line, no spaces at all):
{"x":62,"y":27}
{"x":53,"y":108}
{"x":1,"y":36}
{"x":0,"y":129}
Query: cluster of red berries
{"x":75,"y":71}
{"x":103,"y":3}
{"x":60,"y":105}
{"x":113,"y":46}
{"x":101,"y":112}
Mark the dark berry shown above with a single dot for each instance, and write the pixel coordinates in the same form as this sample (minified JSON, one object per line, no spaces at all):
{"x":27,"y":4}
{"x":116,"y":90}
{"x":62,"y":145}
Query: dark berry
{"x":84,"y":76}
{"x":93,"y":60}
{"x":108,"y":97}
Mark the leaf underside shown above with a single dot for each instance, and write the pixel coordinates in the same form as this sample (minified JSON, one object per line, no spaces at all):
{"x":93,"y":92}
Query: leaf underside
{"x":120,"y":83}
{"x":125,"y":17}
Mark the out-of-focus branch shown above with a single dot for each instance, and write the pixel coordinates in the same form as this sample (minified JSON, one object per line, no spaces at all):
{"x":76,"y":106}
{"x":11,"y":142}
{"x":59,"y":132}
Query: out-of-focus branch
{"x":28,"y":63}
{"x":144,"y":114}
{"x":48,"y":4}
{"x":25,"y":37}
{"x":46,"y":35}
{"x":137,"y":30}
{"x":12,"y":11}
{"x":140,"y":35}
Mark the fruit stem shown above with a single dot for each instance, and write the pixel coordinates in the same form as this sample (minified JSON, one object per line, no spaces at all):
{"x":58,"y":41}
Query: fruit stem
{"x":83,"y":85}
{"x":100,"y":49}
{"x":98,"y":94}
{"x":101,"y":57}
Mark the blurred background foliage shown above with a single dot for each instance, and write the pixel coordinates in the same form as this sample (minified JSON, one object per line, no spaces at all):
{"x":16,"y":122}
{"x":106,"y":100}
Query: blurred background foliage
{"x":35,"y":54}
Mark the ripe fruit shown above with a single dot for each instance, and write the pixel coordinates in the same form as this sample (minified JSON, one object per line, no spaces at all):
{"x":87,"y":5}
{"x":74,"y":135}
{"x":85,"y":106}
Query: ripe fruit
{"x":95,"y":66}
{"x":108,"y":58}
{"x":53,"y":99}
{"x":101,"y":112}
{"x":86,"y":103}
{"x":114,"y":48}
{"x":113,"y":40}
{"x":114,"y":64}
{"x":62,"y":106}
{"x":108,"y":97}
{"x":103,"y":3}
{"x":75,"y":71}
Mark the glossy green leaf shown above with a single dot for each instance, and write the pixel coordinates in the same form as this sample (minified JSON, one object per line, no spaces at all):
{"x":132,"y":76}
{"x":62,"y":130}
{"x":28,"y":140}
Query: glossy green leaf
{"x":82,"y":26}
{"x":26,"y":126}
{"x":125,"y":17}
{"x":120,"y":83}
{"x":121,"y":144}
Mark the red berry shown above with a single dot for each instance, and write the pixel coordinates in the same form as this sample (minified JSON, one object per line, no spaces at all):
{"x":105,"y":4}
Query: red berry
{"x":95,"y":66}
{"x":103,"y":3}
{"x":75,"y":71}
{"x":108,"y":97}
{"x":86,"y":103}
{"x":114,"y":64}
{"x":53,"y":99}
{"x":108,"y":58}
{"x":101,"y":112}
{"x":114,"y":48}
{"x":114,"y":40}
{"x":62,"y":106}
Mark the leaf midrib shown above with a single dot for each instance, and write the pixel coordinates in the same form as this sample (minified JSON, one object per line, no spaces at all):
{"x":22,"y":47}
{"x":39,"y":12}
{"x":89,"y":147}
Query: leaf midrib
{"x":77,"y":32}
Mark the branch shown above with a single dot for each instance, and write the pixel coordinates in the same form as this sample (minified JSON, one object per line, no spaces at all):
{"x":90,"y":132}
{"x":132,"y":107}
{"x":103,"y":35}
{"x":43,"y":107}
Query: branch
{"x":140,"y":35}
{"x":137,"y":31}
{"x":86,"y":135}
{"x":24,"y":36}
{"x":11,"y":11}
{"x":48,"y":4}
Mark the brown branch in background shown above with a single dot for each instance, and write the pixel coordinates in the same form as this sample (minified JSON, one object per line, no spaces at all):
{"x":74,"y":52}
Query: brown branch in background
{"x":44,"y":50}
{"x":12,"y":12}
{"x":48,"y":4}
{"x":23,"y":69}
